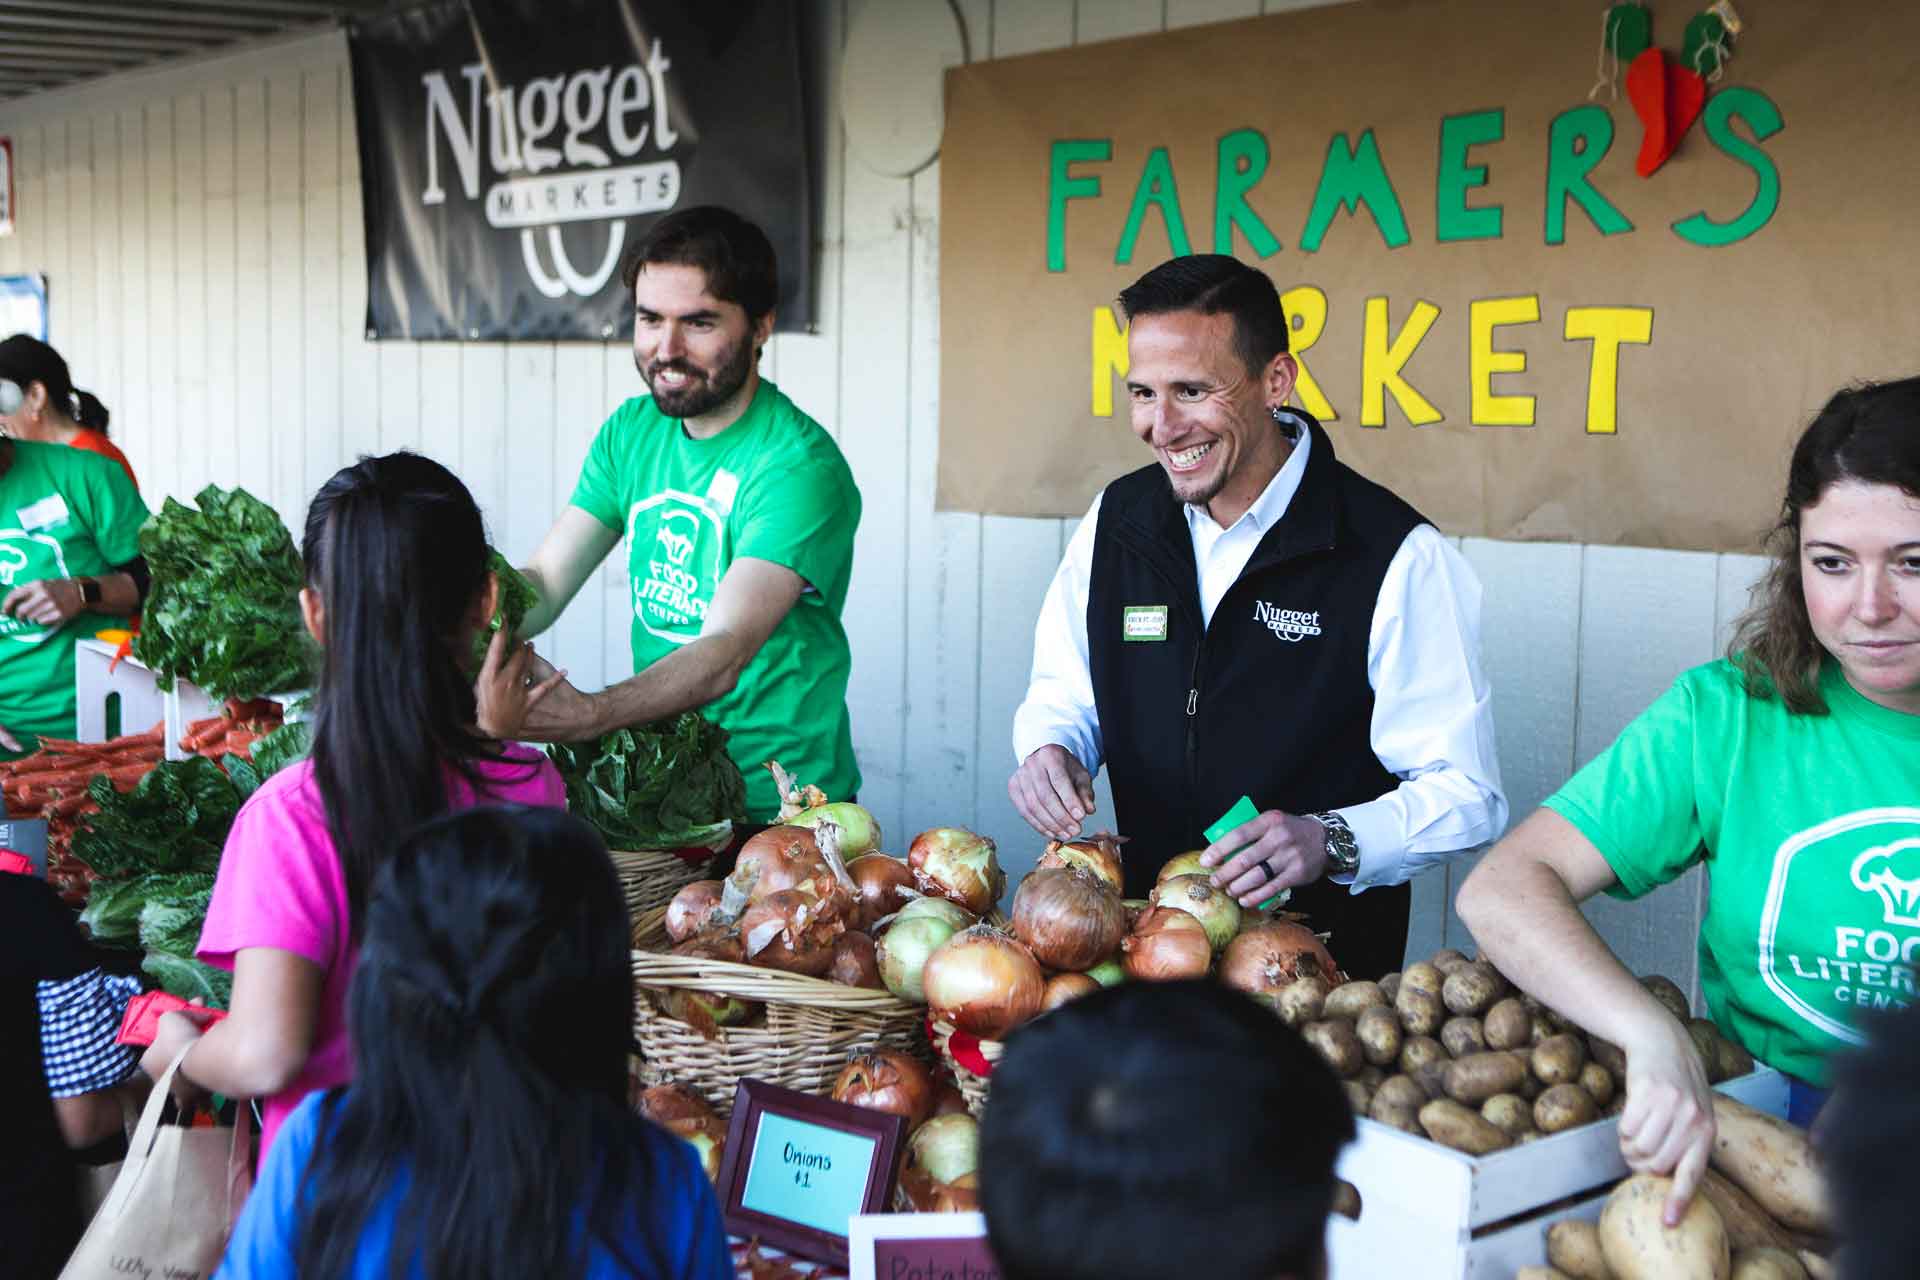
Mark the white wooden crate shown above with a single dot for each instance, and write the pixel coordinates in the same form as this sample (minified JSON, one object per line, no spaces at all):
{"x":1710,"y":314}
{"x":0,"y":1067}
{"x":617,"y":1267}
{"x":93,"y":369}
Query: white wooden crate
{"x":98,"y":679}
{"x":1428,"y":1211}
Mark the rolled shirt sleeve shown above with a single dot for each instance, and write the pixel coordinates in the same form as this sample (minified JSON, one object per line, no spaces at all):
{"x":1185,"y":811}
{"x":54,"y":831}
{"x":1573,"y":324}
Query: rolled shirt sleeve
{"x":1059,"y":706}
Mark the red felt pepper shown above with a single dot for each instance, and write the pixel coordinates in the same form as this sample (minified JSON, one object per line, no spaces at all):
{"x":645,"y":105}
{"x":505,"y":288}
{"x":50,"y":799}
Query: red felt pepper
{"x":1667,"y":97}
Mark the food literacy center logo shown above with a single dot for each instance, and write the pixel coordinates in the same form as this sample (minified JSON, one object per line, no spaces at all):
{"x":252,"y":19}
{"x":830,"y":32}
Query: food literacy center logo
{"x":518,"y":124}
{"x":1863,"y":869}
{"x":1291,"y":625}
{"x":27,"y":557}
{"x":674,"y":542}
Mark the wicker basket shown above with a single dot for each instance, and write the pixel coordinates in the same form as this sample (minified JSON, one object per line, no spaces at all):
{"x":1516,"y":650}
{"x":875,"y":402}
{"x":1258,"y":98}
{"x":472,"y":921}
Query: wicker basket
{"x":973,"y":1086}
{"x":650,"y":877}
{"x":812,"y":1026}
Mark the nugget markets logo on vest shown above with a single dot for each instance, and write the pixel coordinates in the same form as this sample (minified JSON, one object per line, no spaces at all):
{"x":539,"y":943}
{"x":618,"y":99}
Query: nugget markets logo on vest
{"x":1291,"y":625}
{"x":1863,"y":872}
{"x":595,"y":145}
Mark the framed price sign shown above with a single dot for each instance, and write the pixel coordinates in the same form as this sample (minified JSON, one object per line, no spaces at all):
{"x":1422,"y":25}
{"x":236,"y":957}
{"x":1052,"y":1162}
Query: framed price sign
{"x":798,"y":1168}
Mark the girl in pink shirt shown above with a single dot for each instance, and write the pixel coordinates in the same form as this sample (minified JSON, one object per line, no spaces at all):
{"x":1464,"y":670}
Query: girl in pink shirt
{"x":397,"y":591}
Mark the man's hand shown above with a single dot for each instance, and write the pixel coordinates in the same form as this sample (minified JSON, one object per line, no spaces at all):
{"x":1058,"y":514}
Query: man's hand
{"x":1667,"y":1126}
{"x":1053,"y":791}
{"x":519,"y":695}
{"x":1276,"y":851}
{"x":8,"y":742}
{"x":51,"y":602}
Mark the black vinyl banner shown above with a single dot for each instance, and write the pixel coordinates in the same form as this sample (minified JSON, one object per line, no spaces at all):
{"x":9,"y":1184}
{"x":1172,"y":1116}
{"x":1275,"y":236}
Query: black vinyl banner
{"x":511,"y":151}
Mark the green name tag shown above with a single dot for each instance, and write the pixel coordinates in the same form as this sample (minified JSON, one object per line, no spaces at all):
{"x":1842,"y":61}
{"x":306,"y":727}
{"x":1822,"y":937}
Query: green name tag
{"x":1143,"y":622}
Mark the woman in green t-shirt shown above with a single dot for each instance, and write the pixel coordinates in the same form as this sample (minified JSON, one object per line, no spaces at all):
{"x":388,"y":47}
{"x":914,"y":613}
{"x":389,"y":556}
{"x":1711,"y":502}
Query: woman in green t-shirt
{"x":1792,"y":768}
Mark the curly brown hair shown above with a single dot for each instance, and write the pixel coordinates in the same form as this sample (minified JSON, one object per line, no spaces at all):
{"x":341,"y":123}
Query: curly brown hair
{"x":1869,"y":432}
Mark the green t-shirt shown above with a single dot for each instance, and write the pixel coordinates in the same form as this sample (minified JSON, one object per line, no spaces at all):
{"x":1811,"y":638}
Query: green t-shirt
{"x":773,"y":486}
{"x":1810,"y":828}
{"x":64,"y":513}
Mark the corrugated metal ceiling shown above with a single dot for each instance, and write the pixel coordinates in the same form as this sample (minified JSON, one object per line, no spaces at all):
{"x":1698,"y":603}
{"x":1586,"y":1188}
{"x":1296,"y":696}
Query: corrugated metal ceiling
{"x":45,"y":44}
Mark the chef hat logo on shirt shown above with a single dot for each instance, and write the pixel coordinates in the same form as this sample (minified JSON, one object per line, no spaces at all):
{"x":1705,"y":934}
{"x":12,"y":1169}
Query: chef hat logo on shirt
{"x":1878,"y":870}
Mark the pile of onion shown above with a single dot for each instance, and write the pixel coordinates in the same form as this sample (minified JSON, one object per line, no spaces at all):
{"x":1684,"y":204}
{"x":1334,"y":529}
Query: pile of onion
{"x":1214,"y":908}
{"x":688,"y":1116}
{"x":1099,"y":853}
{"x":1271,"y":956}
{"x":793,"y":931}
{"x":882,"y":885}
{"x":983,"y":982}
{"x":1069,"y":917}
{"x":693,"y":909}
{"x":887,"y":1080}
{"x":1166,"y":945}
{"x":941,"y":1173}
{"x":957,"y":865}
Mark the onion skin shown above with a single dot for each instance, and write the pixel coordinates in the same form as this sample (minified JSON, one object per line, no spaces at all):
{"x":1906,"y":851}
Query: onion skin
{"x":704,"y":1012}
{"x":1167,"y":945}
{"x":665,"y":1103}
{"x":859,"y":833}
{"x":887,"y":1080}
{"x":854,"y":962}
{"x":1068,"y":917}
{"x":882,"y":885}
{"x":790,"y":931}
{"x":1214,"y":908}
{"x":984,"y":982}
{"x":778,"y":858}
{"x":949,"y":1101}
{"x":1183,"y":864}
{"x":1063,"y":987}
{"x":946,"y":1148}
{"x":1110,"y":972}
{"x":1273,"y":956}
{"x":940,"y":909}
{"x":1099,"y":854}
{"x":692,"y":908}
{"x":902,"y":954}
{"x":957,"y":865}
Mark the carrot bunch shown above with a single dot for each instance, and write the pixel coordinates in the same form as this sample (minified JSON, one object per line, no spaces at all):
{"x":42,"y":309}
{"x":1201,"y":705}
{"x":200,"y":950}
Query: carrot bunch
{"x":52,"y":784}
{"x":234,"y":730}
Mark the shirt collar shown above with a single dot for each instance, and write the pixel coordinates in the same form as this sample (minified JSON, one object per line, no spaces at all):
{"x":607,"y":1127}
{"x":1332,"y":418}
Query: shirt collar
{"x":1278,"y":495}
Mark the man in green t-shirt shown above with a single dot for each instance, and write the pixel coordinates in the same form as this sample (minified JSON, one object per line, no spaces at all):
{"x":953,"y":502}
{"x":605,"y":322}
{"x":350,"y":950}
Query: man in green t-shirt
{"x":739,"y":514}
{"x":70,"y":565}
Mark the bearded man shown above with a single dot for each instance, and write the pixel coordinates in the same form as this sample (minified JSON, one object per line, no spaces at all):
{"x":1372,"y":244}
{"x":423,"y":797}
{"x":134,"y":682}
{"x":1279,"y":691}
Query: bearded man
{"x":739,"y":514}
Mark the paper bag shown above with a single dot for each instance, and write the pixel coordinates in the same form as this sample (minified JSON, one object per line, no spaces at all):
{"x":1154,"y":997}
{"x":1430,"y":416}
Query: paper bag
{"x":175,"y":1201}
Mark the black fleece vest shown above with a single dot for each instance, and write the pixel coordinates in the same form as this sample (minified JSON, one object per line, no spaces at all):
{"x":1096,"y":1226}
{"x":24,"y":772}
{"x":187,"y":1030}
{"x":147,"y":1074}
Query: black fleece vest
{"x":1271,"y":701}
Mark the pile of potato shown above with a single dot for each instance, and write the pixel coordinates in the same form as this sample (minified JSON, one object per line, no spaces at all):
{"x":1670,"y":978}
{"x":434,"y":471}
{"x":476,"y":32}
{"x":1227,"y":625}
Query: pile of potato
{"x":1448,"y":1050}
{"x":1761,"y":1214}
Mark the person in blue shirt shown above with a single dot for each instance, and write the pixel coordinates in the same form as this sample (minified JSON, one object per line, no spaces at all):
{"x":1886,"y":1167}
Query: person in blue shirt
{"x":486,"y":1132}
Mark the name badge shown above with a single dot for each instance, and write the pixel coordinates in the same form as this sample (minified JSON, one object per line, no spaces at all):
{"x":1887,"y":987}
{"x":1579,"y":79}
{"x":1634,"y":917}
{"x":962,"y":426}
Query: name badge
{"x":50,"y":510}
{"x":1140,"y":622}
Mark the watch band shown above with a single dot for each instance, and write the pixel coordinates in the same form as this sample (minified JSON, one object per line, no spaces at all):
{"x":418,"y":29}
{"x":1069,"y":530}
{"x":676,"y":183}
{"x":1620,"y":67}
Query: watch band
{"x":1343,"y":849}
{"x":89,"y":590}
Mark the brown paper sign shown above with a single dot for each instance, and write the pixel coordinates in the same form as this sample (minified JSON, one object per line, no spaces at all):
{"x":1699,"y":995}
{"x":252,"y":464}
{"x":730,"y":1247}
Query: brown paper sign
{"x":1498,"y":318}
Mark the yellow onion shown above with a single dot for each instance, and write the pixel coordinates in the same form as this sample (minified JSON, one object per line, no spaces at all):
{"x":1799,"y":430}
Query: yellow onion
{"x":777,"y":859}
{"x":959,"y":866}
{"x":1110,"y":972}
{"x":948,"y":1100}
{"x":903,"y":950}
{"x":1099,"y":854}
{"x":1273,"y":956}
{"x":706,"y":1012}
{"x":1068,"y":917}
{"x":859,"y":833}
{"x":887,"y":1080}
{"x":939,"y":909}
{"x":1062,"y":987}
{"x":946,"y":1148}
{"x":692,"y":909}
{"x":984,"y":982}
{"x":1183,"y":864}
{"x":924,"y":1195}
{"x":687,"y":1116}
{"x":1166,"y":945}
{"x":855,"y":963}
{"x":1214,"y":908}
{"x":882,"y":884}
{"x":790,"y":931}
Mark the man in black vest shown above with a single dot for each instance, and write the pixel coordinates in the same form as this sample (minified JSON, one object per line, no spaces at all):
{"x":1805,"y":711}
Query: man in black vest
{"x":1249,"y":616}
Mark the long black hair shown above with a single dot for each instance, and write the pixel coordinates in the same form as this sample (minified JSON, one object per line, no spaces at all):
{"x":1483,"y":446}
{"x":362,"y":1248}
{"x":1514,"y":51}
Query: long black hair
{"x":397,"y":551}
{"x":25,"y":359}
{"x":489,"y":1018}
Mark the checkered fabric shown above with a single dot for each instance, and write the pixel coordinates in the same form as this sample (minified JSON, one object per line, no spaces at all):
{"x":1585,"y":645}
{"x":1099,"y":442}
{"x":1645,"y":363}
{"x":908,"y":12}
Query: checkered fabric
{"x":79,"y":1018}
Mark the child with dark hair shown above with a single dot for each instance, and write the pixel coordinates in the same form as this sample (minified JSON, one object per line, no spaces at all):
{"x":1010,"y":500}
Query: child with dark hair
{"x":1867,"y":1135}
{"x":1161,"y":1129}
{"x":486,"y":1132}
{"x":397,"y":590}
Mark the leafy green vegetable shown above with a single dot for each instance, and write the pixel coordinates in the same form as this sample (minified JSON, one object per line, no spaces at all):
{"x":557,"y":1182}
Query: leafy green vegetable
{"x":175,"y":819}
{"x":656,"y":786}
{"x":516,"y":597}
{"x":189,"y":978}
{"x":286,"y":745}
{"x":224,"y":610}
{"x":113,"y":909}
{"x":175,"y":909}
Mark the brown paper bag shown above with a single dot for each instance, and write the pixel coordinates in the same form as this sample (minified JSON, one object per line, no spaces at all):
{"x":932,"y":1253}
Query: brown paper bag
{"x":175,"y":1201}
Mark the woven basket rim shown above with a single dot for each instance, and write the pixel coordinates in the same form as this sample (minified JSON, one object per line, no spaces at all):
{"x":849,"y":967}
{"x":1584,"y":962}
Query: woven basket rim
{"x":750,"y":982}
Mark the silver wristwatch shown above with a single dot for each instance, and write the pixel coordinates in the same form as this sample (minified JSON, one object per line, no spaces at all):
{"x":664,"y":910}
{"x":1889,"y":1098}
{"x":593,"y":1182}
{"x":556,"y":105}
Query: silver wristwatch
{"x":1343,"y":850}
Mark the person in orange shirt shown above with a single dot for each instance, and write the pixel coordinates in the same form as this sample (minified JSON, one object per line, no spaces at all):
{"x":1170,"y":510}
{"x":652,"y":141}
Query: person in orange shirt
{"x":53,"y":411}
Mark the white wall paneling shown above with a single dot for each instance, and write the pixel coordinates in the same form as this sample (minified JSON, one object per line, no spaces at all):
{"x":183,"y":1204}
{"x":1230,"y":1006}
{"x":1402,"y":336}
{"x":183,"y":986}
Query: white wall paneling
{"x":201,"y":227}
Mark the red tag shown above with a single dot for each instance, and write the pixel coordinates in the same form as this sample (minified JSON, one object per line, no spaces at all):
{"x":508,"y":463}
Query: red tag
{"x":142,"y":1020}
{"x":18,"y":865}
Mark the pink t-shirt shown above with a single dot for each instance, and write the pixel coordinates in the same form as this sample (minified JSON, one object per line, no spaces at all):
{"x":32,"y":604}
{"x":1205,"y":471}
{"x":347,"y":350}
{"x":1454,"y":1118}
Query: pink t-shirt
{"x":281,"y":885}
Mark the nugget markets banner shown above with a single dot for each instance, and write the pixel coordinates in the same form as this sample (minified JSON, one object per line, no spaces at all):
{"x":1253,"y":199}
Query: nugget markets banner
{"x":1498,"y":313}
{"x":512,"y":150}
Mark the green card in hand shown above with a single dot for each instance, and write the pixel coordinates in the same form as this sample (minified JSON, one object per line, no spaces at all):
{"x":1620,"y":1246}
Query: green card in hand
{"x":1243,"y":812}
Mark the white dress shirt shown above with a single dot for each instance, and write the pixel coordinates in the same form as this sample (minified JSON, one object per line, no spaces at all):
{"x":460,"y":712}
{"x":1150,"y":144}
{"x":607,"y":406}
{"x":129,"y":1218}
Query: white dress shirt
{"x":1432,"y":721}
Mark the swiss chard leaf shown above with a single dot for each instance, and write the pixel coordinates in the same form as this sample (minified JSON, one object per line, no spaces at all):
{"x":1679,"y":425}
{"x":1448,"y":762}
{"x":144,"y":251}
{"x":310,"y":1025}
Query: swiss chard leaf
{"x":661,"y":785}
{"x":175,"y":819}
{"x":189,"y":978}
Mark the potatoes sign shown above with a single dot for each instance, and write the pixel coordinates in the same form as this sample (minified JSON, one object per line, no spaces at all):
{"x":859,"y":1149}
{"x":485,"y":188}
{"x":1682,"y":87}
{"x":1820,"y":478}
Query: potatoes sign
{"x":1493,"y":314}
